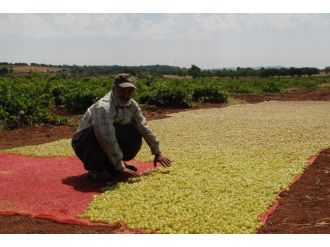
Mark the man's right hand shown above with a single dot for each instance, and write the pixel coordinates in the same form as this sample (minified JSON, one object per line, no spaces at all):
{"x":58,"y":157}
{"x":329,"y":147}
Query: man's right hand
{"x":128,"y":172}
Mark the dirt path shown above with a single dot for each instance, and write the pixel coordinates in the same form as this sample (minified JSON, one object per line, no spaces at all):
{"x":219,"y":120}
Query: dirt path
{"x":303,"y":209}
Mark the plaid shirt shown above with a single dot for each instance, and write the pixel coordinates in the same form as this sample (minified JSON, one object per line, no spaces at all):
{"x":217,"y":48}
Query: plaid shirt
{"x":104,"y":114}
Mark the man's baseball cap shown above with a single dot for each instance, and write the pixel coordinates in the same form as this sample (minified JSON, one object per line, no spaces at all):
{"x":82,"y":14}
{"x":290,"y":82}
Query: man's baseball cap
{"x":125,"y":80}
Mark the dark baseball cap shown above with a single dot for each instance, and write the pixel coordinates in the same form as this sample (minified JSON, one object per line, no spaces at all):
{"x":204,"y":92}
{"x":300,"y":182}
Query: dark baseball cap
{"x":125,"y":80}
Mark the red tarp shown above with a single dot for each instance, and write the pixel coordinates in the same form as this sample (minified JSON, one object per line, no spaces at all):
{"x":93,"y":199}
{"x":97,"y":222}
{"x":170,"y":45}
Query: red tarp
{"x":55,"y":188}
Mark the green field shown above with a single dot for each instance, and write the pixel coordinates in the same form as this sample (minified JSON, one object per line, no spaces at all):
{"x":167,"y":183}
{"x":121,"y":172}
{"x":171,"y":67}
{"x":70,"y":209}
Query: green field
{"x":31,"y":99}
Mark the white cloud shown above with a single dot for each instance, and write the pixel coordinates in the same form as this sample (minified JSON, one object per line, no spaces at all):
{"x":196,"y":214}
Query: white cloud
{"x":192,"y":26}
{"x":278,"y":22}
{"x":216,"y":22}
{"x":25,"y":25}
{"x":233,"y":23}
{"x":160,"y":29}
{"x":64,"y":25}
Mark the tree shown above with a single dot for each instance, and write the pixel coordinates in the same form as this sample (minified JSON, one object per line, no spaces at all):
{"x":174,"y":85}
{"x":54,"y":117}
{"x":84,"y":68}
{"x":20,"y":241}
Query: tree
{"x":4,"y":71}
{"x":194,"y":71}
{"x":327,"y":69}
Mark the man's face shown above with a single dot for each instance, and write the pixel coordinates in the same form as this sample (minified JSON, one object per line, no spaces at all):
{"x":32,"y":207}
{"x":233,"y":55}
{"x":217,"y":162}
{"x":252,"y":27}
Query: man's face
{"x":124,"y":94}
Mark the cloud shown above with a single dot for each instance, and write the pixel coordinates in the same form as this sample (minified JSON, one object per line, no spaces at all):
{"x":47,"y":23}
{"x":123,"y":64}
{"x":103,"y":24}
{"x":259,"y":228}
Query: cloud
{"x":25,"y":25}
{"x":92,"y":24}
{"x":155,"y":26}
{"x":64,"y":25}
{"x":110,"y":25}
{"x":157,"y":29}
{"x":234,"y":23}
{"x":216,"y":22}
{"x":280,"y":22}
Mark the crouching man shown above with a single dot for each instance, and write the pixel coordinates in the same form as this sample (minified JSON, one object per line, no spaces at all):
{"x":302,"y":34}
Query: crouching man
{"x":111,"y":132}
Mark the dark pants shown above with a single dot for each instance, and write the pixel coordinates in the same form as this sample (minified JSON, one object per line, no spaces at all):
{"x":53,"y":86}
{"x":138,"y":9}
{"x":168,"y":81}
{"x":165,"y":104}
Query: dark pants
{"x":89,"y":151}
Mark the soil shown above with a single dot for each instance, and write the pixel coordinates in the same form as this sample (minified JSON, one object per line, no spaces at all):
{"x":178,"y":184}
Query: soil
{"x":305,"y":208}
{"x":31,"y":135}
{"x":318,"y":94}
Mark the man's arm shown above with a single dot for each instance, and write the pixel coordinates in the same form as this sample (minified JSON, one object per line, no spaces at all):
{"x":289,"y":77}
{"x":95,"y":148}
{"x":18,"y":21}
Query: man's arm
{"x":143,"y":128}
{"x":141,"y":124}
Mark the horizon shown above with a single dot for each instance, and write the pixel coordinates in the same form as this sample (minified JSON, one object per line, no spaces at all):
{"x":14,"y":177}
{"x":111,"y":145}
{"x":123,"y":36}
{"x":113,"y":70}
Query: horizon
{"x":146,"y":65}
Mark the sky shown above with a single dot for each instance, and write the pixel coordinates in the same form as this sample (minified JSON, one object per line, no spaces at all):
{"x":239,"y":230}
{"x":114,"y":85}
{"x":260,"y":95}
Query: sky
{"x":206,"y":40}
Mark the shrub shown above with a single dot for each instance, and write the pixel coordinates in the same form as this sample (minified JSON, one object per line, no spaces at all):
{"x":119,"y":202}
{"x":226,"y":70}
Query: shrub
{"x":210,"y":94}
{"x":24,"y":103}
{"x":166,"y":96}
{"x":78,"y":99}
{"x":308,"y":84}
{"x":239,"y":87}
{"x":58,"y":91}
{"x":145,"y":98}
{"x":271,"y":87}
{"x":244,"y":89}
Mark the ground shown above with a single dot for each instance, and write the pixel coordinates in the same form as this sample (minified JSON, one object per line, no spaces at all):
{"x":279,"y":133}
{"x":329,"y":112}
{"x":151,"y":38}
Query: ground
{"x":27,"y":69}
{"x":305,"y":208}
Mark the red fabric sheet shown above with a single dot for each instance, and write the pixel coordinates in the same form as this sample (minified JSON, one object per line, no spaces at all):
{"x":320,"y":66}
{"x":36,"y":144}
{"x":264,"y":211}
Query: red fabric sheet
{"x":57,"y":188}
{"x":54,"y":188}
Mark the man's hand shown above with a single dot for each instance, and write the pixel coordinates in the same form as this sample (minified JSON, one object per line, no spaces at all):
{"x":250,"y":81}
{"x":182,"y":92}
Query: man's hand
{"x":162,"y":160}
{"x":128,"y":172}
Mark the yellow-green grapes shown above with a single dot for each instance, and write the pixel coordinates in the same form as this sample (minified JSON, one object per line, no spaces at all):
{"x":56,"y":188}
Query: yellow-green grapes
{"x":228,"y":164}
{"x":61,"y":148}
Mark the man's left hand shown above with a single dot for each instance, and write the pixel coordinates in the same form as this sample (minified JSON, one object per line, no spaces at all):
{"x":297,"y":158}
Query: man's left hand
{"x":162,"y":160}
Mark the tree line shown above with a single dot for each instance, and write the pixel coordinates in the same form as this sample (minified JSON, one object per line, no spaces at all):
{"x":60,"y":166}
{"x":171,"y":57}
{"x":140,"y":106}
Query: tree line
{"x":160,"y":70}
{"x":194,"y":71}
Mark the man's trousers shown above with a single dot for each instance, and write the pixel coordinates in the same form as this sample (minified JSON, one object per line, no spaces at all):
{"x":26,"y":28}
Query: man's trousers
{"x":89,"y":151}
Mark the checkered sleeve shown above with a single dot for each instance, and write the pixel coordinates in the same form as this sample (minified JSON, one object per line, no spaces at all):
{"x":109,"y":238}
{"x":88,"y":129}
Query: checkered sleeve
{"x":105,"y":133}
{"x":141,"y":124}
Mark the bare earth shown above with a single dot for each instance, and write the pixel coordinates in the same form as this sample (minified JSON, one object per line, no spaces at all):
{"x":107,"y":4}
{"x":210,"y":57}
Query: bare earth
{"x":305,"y":208}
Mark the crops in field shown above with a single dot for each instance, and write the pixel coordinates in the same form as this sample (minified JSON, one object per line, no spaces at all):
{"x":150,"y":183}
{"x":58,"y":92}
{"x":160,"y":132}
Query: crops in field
{"x":31,"y":99}
{"x":229,"y":164}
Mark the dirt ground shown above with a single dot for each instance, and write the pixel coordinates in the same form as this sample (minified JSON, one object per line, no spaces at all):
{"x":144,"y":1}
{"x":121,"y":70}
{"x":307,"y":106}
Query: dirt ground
{"x":305,"y":208}
{"x":309,"y":94}
{"x":27,"y":69}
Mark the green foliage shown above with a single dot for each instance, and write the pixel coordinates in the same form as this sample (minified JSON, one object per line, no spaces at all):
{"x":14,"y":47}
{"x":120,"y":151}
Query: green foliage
{"x":271,"y":87}
{"x":30,"y":99}
{"x":4,"y":71}
{"x":239,"y":87}
{"x":58,"y":91}
{"x":308,"y":84}
{"x":79,"y":99}
{"x":195,"y":71}
{"x":166,"y":96}
{"x":25,"y":103}
{"x":327,"y":69}
{"x":210,"y":94}
{"x":77,"y":94}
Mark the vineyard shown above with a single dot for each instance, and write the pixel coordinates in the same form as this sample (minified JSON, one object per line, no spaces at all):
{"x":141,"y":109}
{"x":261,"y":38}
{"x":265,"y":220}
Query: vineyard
{"x":32,"y":99}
